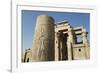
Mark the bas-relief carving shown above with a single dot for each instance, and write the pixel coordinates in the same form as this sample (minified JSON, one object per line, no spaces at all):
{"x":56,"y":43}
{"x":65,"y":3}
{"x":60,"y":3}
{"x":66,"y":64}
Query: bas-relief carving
{"x":48,"y":46}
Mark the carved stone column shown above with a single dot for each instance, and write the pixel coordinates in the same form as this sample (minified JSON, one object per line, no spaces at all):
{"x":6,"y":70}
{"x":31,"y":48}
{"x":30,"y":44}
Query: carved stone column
{"x":70,"y":41}
{"x":60,"y":45}
{"x":57,"y":46}
{"x":85,"y":42}
{"x":43,"y":43}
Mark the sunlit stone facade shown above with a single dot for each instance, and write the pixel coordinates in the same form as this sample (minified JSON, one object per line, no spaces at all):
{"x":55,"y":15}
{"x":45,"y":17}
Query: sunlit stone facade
{"x":57,"y":41}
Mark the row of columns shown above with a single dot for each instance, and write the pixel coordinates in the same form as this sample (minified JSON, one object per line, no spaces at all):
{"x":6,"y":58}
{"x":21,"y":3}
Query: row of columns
{"x":71,"y":41}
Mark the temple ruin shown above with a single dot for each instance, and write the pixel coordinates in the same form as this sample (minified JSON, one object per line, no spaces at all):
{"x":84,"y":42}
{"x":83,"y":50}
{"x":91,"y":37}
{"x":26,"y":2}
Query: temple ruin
{"x":57,"y":41}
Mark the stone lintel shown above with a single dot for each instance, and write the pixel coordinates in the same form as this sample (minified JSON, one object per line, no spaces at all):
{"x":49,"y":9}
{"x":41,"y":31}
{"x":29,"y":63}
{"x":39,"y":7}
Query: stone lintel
{"x":62,"y":22}
{"x":61,"y":28}
{"x":78,"y":28}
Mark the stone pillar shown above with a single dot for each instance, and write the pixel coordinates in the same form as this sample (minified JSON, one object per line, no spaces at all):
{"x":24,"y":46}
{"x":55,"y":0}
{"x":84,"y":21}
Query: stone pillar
{"x":60,"y":45}
{"x":57,"y":46}
{"x":43,"y":43}
{"x":86,"y":44}
{"x":70,"y":41}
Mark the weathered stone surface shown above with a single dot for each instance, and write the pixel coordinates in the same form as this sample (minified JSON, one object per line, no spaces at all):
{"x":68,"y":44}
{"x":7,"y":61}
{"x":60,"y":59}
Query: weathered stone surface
{"x":73,"y":50}
{"x":58,"y":42}
{"x":43,"y":44}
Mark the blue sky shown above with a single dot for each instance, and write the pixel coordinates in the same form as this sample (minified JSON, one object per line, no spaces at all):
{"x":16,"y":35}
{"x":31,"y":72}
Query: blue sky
{"x":29,"y":21}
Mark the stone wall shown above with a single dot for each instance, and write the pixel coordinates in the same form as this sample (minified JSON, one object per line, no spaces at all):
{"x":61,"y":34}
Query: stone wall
{"x":55,"y":42}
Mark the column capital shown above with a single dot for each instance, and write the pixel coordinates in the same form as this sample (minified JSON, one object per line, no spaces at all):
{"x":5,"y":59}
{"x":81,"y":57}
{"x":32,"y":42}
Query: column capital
{"x":84,"y":33}
{"x":83,"y":30}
